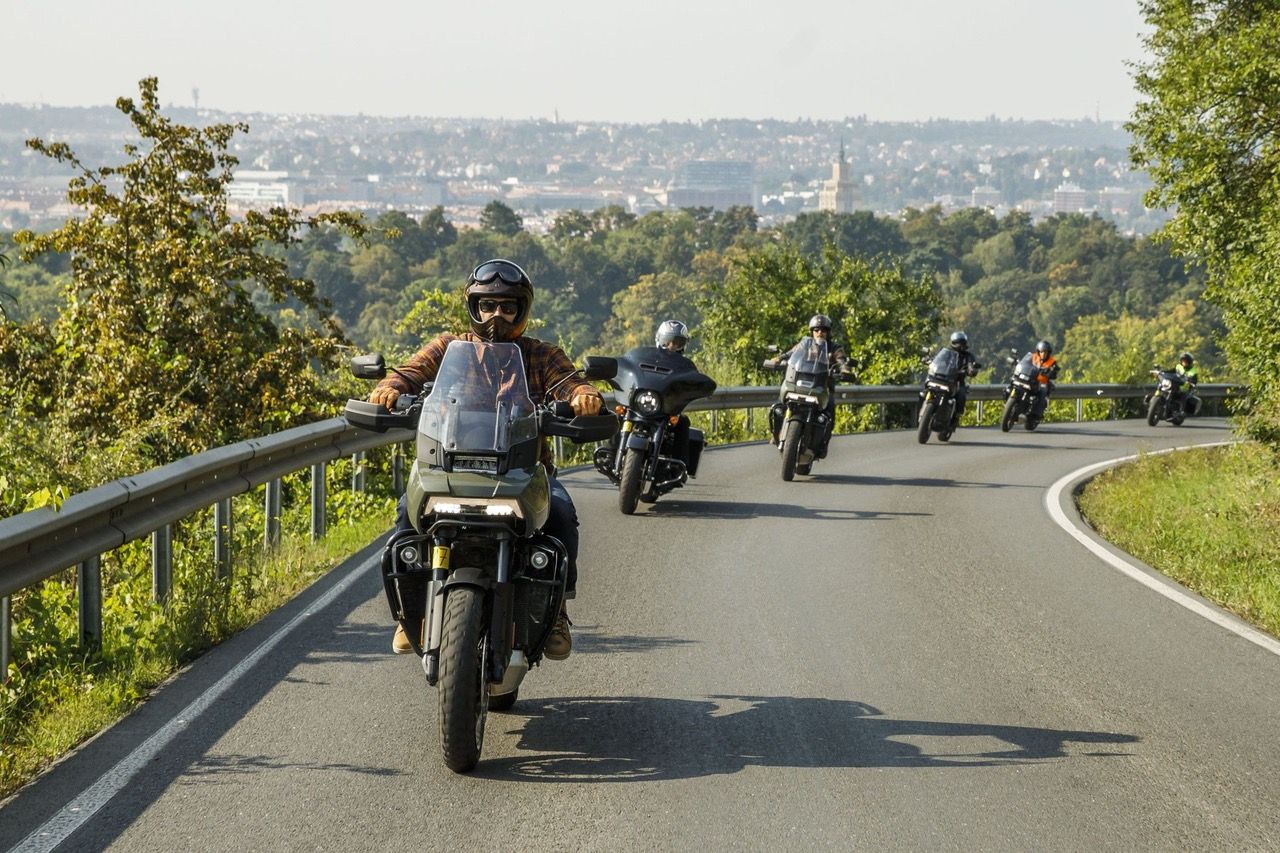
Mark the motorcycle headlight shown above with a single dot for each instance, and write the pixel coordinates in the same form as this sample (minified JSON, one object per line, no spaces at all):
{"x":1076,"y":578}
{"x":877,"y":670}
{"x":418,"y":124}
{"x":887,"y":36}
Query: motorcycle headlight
{"x":647,"y":402}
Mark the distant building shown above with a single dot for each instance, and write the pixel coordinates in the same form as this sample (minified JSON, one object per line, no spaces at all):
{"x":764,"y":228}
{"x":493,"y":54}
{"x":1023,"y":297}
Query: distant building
{"x":1069,"y":198}
{"x":719,"y":184}
{"x":250,"y":188}
{"x":986,"y":196}
{"x":839,"y":193}
{"x":1116,"y":200}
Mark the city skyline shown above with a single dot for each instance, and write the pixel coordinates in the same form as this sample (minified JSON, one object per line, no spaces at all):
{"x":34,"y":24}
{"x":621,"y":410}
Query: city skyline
{"x":820,"y":59}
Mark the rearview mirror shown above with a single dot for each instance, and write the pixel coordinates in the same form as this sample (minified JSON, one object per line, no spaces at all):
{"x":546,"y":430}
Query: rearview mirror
{"x":371,"y":366}
{"x":599,"y":367}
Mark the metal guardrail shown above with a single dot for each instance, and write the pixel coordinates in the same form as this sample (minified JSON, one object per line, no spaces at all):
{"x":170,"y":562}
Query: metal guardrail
{"x":38,"y":544}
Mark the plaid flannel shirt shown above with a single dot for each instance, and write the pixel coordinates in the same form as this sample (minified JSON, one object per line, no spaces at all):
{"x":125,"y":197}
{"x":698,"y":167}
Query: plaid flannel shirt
{"x":545,"y":365}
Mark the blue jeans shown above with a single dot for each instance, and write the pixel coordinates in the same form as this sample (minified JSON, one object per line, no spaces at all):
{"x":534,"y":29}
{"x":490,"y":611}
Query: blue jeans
{"x":562,"y":523}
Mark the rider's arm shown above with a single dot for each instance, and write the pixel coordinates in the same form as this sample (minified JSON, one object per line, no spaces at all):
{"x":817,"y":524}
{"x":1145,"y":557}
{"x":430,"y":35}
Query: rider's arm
{"x":411,"y":376}
{"x":556,"y":372}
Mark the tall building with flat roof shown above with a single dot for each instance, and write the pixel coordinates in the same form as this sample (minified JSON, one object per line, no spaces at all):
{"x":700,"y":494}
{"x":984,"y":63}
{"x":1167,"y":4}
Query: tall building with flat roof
{"x":839,"y":193}
{"x":719,"y":184}
{"x":1069,"y":198}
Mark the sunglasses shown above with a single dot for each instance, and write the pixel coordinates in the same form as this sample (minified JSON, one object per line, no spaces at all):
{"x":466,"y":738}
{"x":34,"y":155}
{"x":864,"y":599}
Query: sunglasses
{"x":493,"y":306}
{"x":505,"y":270}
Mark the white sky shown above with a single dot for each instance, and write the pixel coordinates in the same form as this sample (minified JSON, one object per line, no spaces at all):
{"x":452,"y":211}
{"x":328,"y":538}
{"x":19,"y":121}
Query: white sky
{"x":641,"y":60}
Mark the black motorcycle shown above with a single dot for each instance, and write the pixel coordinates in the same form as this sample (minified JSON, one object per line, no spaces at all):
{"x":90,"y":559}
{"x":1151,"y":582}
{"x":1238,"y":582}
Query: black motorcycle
{"x":654,"y":386}
{"x":476,"y":584}
{"x":1022,"y":393}
{"x":799,"y":418}
{"x":1171,"y":400}
{"x":938,"y":397}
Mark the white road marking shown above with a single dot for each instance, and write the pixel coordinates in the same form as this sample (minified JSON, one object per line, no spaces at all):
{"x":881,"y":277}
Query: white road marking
{"x":1166,"y":587}
{"x":73,"y":815}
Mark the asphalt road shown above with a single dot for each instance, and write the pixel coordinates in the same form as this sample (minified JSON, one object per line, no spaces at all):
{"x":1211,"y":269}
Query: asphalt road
{"x":902,"y":651}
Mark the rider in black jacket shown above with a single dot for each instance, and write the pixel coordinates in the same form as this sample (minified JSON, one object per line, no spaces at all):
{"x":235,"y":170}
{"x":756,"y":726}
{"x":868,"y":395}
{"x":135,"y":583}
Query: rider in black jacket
{"x":968,"y":367}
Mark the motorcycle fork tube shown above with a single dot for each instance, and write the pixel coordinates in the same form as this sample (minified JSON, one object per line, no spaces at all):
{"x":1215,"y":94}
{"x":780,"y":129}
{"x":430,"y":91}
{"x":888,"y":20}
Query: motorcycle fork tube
{"x":499,"y":644}
{"x":441,"y":554}
{"x":655,"y":442}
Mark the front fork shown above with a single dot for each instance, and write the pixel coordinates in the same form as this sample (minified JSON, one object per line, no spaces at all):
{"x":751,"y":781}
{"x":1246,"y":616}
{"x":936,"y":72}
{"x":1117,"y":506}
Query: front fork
{"x":500,"y":622}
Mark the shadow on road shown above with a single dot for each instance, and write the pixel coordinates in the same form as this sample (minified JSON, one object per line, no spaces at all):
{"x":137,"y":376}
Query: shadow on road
{"x":924,"y":482}
{"x":632,"y":739}
{"x":734,"y":510}
{"x":588,"y":639}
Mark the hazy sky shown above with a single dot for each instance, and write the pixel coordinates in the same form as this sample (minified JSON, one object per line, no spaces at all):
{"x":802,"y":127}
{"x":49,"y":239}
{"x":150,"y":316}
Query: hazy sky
{"x":589,"y":59}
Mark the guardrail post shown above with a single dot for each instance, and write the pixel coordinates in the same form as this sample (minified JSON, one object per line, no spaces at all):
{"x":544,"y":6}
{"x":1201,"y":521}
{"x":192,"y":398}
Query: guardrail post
{"x":557,"y":450}
{"x":222,"y":537}
{"x":751,"y":421}
{"x":397,"y":469}
{"x":89,"y":587}
{"x":162,"y":563}
{"x":317,"y":500}
{"x":5,"y":631}
{"x":1079,"y":409}
{"x":715,"y":420}
{"x":271,"y":536}
{"x":980,"y":402}
{"x":357,"y":471}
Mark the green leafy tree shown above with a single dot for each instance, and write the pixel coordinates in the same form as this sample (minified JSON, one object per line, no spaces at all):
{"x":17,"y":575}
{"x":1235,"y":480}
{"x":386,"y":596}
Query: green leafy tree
{"x":162,"y":317}
{"x":500,"y":219}
{"x":639,"y":309}
{"x":881,"y":316}
{"x":1208,"y":133}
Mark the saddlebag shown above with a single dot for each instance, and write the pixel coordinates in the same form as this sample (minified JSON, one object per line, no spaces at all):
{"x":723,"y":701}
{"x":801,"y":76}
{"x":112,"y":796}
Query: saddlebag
{"x":696,"y":442}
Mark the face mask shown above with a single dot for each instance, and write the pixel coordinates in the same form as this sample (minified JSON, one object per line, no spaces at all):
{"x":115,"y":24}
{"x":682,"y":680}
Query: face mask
{"x":496,"y":328}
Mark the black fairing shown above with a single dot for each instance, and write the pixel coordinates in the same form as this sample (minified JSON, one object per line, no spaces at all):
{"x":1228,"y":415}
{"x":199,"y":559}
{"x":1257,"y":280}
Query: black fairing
{"x":670,"y":374}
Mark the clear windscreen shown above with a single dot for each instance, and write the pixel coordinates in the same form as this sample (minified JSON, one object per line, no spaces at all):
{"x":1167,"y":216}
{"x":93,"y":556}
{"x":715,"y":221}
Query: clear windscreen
{"x":809,"y":361}
{"x":480,"y":399}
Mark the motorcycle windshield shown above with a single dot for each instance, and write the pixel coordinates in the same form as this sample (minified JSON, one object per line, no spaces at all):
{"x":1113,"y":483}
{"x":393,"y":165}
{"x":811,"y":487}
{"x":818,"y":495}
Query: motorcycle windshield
{"x":480,"y":400}
{"x":808,"y":365}
{"x":1026,"y":368}
{"x":945,"y":364}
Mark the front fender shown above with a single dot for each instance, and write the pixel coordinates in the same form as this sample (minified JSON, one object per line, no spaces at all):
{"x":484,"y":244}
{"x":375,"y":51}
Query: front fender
{"x":466,"y":576}
{"x":637,"y":441}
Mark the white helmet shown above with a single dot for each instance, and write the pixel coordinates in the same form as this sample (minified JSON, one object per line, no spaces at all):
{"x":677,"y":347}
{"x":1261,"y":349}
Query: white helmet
{"x":671,"y":331}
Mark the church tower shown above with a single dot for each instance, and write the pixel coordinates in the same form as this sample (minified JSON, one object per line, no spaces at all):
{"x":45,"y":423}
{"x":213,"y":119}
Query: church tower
{"x":839,"y":193}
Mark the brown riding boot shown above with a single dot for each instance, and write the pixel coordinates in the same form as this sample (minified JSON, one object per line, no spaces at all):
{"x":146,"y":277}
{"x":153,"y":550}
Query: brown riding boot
{"x":560,"y":644}
{"x":400,"y":642}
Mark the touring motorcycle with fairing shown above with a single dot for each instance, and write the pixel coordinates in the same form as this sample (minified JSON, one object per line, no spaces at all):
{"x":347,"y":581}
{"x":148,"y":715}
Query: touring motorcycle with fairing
{"x":653,"y":388}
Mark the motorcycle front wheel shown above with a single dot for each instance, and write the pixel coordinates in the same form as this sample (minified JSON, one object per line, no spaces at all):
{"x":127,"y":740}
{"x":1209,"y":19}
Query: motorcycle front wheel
{"x":926,"y":420}
{"x":791,"y":450}
{"x":1010,"y":414}
{"x":629,"y":483}
{"x":1153,"y":410}
{"x":462,"y":691}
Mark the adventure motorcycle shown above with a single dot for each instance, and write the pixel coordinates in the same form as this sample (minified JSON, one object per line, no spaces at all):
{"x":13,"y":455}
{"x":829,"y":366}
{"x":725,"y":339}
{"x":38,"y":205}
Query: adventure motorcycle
{"x":476,"y":584}
{"x":799,"y":418}
{"x":1171,"y":400}
{"x":654,"y":386}
{"x":938,"y":398}
{"x":1021,"y":394}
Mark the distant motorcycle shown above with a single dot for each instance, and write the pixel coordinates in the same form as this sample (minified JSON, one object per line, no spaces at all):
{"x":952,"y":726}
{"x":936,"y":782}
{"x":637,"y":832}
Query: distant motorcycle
{"x":801,"y":408}
{"x":654,"y":386}
{"x":938,"y":397}
{"x":1171,"y":400}
{"x":1021,"y":394}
